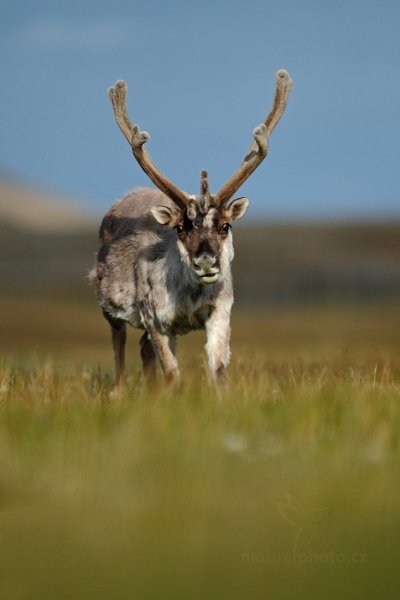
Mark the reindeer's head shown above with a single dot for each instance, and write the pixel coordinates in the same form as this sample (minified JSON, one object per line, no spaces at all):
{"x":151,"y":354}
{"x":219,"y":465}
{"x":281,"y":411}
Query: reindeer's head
{"x":203,"y":230}
{"x":202,"y":222}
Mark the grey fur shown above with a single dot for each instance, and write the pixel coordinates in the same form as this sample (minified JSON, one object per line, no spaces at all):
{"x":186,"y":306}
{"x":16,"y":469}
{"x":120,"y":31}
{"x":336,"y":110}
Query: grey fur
{"x":143,"y":276}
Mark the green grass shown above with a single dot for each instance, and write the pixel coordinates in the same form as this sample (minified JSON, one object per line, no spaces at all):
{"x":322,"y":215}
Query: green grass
{"x":285,"y":486}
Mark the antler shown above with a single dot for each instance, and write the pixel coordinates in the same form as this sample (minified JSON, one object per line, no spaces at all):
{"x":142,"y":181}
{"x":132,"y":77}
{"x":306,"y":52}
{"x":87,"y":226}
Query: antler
{"x":259,"y":148}
{"x":137,"y":138}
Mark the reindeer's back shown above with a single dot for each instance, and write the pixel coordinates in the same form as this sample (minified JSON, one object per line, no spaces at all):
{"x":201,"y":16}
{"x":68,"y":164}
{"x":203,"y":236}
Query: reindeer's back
{"x":128,"y":231}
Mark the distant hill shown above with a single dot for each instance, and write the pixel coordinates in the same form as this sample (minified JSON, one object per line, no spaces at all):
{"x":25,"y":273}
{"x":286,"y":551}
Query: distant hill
{"x":31,"y":209}
{"x":48,"y":246}
{"x":317,"y":262}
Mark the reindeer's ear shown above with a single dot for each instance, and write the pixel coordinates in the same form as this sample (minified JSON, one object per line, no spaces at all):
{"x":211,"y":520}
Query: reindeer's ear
{"x":236,"y":209}
{"x":165,"y":215}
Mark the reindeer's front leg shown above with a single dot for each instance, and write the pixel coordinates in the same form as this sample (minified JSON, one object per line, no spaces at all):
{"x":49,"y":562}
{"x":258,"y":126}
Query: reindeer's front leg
{"x":164,"y":346}
{"x":218,"y":330}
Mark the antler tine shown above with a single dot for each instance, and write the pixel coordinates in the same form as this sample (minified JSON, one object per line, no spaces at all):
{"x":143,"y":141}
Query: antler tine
{"x":204,"y":185}
{"x":259,"y":148}
{"x":137,"y":138}
{"x":117,"y":95}
{"x":283,"y":87}
{"x":205,"y":195}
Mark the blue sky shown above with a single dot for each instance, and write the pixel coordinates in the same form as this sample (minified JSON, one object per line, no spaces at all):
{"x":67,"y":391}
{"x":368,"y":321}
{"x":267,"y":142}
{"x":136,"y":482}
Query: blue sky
{"x":200,"y":78}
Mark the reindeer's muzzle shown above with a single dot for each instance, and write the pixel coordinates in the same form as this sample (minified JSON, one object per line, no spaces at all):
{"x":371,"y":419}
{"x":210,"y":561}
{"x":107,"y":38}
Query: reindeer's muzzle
{"x":206,"y":268}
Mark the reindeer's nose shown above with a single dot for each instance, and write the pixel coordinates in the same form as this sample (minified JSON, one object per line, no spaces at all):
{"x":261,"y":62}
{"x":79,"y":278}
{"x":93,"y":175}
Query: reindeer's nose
{"x":204,"y":262}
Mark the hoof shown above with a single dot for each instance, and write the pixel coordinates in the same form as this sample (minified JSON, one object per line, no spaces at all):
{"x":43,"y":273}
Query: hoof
{"x":117,"y":392}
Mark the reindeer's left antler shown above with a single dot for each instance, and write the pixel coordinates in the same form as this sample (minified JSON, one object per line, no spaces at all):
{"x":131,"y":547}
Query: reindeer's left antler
{"x":259,"y":148}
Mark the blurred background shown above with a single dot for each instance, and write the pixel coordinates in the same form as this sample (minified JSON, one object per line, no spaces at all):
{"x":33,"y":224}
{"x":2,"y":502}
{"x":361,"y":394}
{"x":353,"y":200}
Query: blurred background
{"x":324,"y":220}
{"x":172,"y":496}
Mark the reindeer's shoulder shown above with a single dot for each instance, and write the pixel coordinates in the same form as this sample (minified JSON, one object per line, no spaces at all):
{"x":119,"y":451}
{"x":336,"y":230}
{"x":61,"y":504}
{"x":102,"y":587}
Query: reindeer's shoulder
{"x":132,"y":214}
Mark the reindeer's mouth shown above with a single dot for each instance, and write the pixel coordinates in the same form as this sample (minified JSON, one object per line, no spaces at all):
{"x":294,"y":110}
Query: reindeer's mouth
{"x":208,"y":278}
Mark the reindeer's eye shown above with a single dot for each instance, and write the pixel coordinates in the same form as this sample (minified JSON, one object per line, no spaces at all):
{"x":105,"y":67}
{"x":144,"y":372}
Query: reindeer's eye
{"x":224,"y":229}
{"x":180,"y":228}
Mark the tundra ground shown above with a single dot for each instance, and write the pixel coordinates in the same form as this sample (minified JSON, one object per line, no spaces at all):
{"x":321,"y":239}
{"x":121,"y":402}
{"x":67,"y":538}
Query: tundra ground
{"x":287,"y":485}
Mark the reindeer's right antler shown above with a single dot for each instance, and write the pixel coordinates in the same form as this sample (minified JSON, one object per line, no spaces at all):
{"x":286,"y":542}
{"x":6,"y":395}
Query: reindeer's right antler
{"x":259,"y":149}
{"x":137,"y":138}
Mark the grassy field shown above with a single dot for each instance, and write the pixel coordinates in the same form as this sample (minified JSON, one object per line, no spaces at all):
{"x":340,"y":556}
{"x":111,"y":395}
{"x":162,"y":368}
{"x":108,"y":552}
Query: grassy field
{"x":286,"y":486}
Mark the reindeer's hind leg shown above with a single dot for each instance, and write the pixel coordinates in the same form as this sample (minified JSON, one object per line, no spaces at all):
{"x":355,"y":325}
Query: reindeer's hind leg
{"x":149,"y":357}
{"x":118,"y":336}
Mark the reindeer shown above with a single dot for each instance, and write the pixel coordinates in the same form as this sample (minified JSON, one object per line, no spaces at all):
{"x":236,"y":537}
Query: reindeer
{"x":164,"y":263}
